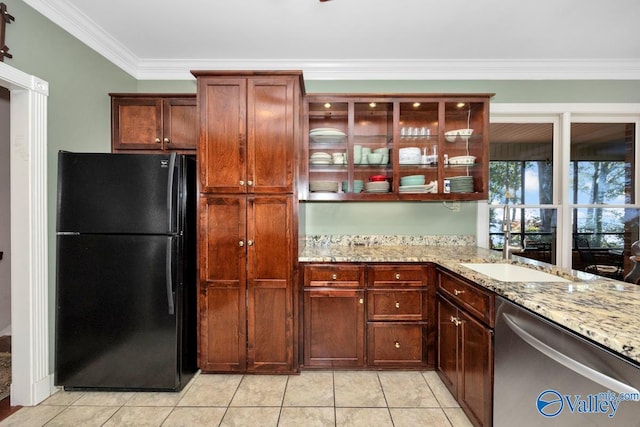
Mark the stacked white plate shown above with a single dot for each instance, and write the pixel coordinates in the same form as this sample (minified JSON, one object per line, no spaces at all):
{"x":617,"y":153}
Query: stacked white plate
{"x":426,"y":188}
{"x":326,"y":135}
{"x":409,"y":155}
{"x":320,"y":158}
{"x":324,"y":186}
{"x":461,"y":184}
{"x":376,"y":187}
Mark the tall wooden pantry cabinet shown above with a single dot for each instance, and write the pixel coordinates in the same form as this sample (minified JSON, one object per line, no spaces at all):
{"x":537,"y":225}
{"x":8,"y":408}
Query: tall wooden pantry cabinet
{"x":250,"y":131}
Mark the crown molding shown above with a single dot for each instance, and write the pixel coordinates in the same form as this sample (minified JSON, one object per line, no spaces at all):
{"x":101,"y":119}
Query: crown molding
{"x":83,"y":28}
{"x":398,"y":69}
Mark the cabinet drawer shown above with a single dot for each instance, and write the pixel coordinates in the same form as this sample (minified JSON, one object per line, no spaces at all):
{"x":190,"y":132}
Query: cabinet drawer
{"x":395,"y":343}
{"x":334,"y":275}
{"x":396,"y":305}
{"x":473,"y":299}
{"x":396,"y":275}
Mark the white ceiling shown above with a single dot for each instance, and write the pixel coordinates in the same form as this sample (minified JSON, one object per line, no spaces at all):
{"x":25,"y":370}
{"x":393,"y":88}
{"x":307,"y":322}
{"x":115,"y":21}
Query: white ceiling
{"x":362,"y":39}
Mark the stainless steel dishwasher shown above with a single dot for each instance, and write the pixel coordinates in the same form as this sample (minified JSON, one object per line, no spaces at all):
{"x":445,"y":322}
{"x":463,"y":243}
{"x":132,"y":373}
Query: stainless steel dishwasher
{"x":545,"y":375}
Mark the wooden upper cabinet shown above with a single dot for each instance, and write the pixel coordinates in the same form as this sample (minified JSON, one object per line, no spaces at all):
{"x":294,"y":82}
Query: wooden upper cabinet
{"x":426,"y":146}
{"x":249,"y":131}
{"x":154,"y":122}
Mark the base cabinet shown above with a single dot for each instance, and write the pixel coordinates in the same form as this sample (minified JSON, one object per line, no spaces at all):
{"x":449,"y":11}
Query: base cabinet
{"x":334,"y":315}
{"x":358,"y":315}
{"x":465,"y":350}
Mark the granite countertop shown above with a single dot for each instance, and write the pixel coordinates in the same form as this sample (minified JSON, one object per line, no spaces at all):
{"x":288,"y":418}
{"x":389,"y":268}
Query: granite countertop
{"x":604,"y":310}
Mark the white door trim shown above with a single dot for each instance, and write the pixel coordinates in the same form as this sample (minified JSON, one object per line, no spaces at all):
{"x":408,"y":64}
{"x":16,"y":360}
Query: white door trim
{"x":32,"y":379}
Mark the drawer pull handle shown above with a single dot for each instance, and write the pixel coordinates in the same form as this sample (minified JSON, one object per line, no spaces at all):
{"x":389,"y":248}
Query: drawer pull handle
{"x":397,"y":304}
{"x":457,"y":292}
{"x":397,"y":276}
{"x":397,"y":345}
{"x":334,"y":276}
{"x":361,"y":301}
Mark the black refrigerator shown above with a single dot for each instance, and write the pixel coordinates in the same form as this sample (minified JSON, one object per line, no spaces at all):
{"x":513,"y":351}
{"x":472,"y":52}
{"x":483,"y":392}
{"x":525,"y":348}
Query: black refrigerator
{"x":126,"y":271}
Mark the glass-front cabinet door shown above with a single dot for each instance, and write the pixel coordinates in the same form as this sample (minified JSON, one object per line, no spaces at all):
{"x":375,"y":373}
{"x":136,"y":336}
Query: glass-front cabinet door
{"x":400,"y":147}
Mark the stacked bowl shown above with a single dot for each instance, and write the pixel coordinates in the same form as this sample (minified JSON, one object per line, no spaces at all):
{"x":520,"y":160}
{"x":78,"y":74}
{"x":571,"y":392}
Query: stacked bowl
{"x":358,"y":185}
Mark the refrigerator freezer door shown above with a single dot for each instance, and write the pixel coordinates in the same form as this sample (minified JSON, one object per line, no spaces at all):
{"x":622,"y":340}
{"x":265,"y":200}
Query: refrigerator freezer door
{"x":114,"y":329}
{"x":118,"y":193}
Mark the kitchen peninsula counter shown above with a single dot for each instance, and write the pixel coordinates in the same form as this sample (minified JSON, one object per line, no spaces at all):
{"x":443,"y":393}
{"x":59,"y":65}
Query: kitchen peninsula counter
{"x":604,"y":310}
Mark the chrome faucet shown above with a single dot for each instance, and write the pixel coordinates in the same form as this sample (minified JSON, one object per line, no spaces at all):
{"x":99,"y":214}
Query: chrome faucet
{"x":508,"y":249}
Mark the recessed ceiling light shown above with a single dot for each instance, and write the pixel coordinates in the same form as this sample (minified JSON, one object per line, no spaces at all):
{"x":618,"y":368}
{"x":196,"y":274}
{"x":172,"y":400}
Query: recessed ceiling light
{"x":327,"y":105}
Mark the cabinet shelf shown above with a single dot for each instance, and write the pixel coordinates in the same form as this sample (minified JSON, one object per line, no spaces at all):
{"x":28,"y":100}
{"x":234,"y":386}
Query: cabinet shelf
{"x":395,"y":123}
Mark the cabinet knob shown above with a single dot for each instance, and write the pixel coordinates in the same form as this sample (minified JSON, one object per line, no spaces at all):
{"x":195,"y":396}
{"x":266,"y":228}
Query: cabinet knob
{"x":397,"y":304}
{"x":361,"y":300}
{"x":397,"y":344}
{"x":241,"y":183}
{"x":249,"y":242}
{"x":166,"y":140}
{"x":157,"y":140}
{"x":240,"y":243}
{"x":249,"y":183}
{"x":397,"y":276}
{"x":457,"y":292}
{"x":334,"y":276}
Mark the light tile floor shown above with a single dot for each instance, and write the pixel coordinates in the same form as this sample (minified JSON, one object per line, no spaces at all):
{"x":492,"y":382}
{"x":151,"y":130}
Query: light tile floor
{"x":313,"y":398}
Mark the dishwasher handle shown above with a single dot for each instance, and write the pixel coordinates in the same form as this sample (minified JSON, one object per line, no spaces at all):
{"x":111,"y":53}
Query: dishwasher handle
{"x":579,"y":368}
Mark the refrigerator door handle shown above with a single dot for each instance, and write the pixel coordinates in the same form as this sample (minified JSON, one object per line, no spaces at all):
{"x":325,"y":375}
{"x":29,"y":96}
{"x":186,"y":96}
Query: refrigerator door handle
{"x":169,"y":274}
{"x":568,"y":362}
{"x":172,"y":171}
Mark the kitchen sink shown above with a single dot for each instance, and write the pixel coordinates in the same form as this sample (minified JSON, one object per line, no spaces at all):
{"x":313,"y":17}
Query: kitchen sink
{"x":514,"y":273}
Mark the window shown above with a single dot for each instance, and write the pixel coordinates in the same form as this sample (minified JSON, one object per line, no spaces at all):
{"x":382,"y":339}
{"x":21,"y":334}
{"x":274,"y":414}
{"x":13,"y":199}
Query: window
{"x":521,"y":175}
{"x":571,"y":178}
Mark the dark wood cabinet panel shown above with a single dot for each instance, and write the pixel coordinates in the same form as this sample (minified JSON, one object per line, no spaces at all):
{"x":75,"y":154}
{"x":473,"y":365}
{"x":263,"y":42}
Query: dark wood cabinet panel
{"x":465,"y":346}
{"x":222,"y":143}
{"x":334,"y":328}
{"x":471,"y":297}
{"x":154,"y":122}
{"x":396,"y":305}
{"x":476,"y":387}
{"x":222,"y":284}
{"x":272,"y":119}
{"x":447,"y":347}
{"x":180,"y":124}
{"x":270,"y":283}
{"x":249,"y":128}
{"x":222,"y":338}
{"x":396,"y":344}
